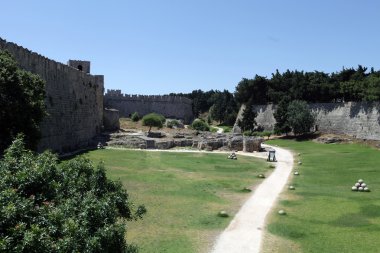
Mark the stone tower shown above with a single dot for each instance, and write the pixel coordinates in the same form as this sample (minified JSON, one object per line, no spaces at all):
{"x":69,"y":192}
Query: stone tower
{"x":80,"y":65}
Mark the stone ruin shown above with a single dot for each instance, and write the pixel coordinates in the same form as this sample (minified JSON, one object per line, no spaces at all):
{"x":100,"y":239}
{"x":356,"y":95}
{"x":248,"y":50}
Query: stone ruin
{"x":204,"y":141}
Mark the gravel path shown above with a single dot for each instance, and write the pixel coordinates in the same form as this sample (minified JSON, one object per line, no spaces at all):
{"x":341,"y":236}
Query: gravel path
{"x":244,"y":233}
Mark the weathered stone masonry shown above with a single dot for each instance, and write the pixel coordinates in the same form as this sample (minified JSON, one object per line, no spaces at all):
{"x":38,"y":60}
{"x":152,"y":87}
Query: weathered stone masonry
{"x":358,"y":119}
{"x":74,"y":99}
{"x":169,"y":106}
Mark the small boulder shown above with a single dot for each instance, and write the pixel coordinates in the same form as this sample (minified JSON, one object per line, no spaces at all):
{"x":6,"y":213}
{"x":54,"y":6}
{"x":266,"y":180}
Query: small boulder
{"x":291,"y":187}
{"x":354,"y":188}
{"x":296,"y":173}
{"x":223,"y":214}
{"x":281,"y":212}
{"x":246,"y":189}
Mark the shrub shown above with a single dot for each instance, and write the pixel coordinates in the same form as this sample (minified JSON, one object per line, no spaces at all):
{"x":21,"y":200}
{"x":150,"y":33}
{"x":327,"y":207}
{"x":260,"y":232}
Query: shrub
{"x":135,"y":117}
{"x":213,"y":129}
{"x":173,"y":123}
{"x":200,"y":125}
{"x":72,"y":207}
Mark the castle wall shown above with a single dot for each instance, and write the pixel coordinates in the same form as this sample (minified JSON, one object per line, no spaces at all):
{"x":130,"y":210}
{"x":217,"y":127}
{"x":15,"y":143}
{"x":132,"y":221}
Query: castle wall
{"x":74,"y":100}
{"x":169,"y":106}
{"x":358,"y":119}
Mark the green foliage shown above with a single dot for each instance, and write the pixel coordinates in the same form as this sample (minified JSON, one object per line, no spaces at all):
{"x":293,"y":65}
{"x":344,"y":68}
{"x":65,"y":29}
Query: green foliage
{"x":226,"y":129}
{"x":281,"y":116}
{"x":173,"y":123}
{"x":299,"y":117}
{"x":220,"y":104}
{"x":200,"y":125}
{"x":21,"y":103}
{"x":223,"y":106}
{"x":213,"y":129}
{"x":135,"y":117}
{"x":45,"y":207}
{"x":347,"y":85}
{"x":258,"y":134}
{"x":153,"y":120}
{"x":252,"y":90}
{"x":247,"y":122}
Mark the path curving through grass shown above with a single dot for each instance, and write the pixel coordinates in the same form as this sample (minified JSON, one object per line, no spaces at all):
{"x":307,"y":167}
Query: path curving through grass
{"x":244,"y":233}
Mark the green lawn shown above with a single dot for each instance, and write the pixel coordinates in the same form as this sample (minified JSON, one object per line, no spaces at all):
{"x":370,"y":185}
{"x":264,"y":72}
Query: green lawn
{"x":183,"y":192}
{"x":323,"y":214}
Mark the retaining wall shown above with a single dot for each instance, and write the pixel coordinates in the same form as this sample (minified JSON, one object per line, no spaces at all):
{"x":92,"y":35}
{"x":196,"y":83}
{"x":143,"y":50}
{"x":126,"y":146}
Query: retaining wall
{"x":357,"y":119}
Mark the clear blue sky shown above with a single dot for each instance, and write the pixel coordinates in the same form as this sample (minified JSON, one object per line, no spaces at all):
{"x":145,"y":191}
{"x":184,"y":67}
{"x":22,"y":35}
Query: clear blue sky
{"x":157,"y":47}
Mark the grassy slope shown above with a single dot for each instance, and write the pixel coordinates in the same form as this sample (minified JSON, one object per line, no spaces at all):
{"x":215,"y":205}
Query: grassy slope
{"x":183,"y":193}
{"x":324,"y":215}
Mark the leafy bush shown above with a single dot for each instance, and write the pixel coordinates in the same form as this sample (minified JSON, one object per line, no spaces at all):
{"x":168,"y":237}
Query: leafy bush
{"x":153,"y":120}
{"x":21,"y":103}
{"x":200,"y":125}
{"x":135,"y":117}
{"x":73,"y":207}
{"x":173,"y":123}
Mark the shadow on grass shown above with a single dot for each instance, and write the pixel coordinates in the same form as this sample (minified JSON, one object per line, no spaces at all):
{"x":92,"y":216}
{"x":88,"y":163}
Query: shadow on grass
{"x":302,"y":137}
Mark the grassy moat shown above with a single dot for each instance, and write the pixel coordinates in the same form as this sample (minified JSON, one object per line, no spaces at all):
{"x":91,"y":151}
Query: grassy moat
{"x":323,"y":214}
{"x":183,"y":193}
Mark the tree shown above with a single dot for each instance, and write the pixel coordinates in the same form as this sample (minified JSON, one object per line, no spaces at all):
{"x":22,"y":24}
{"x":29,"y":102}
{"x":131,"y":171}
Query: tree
{"x":223,"y":106}
{"x":299,"y":117}
{"x":248,"y":122}
{"x":21,"y":103}
{"x":153,"y":120}
{"x":281,"y":116}
{"x":72,"y":207}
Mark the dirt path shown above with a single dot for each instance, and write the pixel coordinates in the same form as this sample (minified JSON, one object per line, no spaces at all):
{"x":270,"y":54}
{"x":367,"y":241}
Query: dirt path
{"x":244,"y":233}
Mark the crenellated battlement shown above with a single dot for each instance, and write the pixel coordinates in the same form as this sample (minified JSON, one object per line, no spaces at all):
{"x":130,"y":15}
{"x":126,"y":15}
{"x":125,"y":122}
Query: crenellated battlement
{"x":169,"y":106}
{"x":23,"y":53}
{"x":117,"y":94}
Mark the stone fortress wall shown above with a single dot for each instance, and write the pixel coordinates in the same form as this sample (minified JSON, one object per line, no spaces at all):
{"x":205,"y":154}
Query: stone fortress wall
{"x":74,"y":99}
{"x":170,"y":106}
{"x":357,"y":119}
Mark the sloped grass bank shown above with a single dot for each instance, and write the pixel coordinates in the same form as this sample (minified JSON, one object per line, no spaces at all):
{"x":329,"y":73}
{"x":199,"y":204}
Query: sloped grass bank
{"x":323,"y":214}
{"x":183,"y":192}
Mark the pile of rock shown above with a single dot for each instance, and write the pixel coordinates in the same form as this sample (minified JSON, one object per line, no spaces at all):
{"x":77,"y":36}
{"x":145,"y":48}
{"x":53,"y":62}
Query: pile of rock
{"x":232,"y":156}
{"x":360,"y":186}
